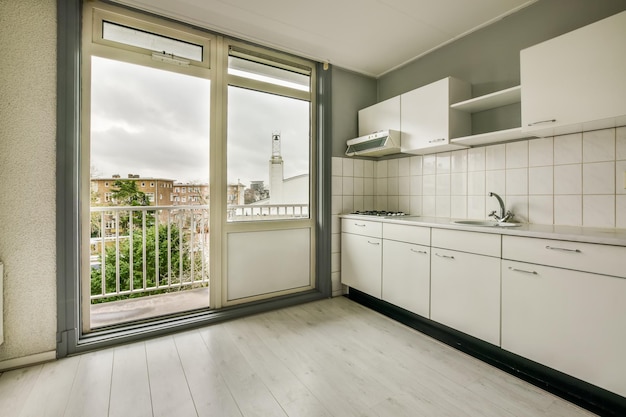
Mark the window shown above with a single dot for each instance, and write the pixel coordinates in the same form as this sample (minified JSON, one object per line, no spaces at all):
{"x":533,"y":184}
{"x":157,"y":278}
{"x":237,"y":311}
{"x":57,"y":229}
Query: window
{"x":269,"y":137}
{"x":246,"y":112}
{"x":134,"y":37}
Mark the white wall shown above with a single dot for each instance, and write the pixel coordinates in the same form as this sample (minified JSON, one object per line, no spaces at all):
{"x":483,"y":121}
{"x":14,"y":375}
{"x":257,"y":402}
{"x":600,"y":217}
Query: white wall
{"x":27,"y":179}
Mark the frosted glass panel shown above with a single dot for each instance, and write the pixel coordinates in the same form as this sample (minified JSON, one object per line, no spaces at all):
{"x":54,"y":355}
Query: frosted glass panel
{"x":268,"y":261}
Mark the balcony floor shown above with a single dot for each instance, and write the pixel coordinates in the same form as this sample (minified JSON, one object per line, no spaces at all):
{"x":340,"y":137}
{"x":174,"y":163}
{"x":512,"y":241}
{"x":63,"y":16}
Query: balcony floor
{"x":116,"y":312}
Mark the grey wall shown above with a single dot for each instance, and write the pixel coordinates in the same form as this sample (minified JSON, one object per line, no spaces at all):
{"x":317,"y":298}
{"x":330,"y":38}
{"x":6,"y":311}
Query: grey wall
{"x":489,"y":58}
{"x":350,"y":93}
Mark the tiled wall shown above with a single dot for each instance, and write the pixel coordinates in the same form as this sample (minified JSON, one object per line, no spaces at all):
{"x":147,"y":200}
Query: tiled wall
{"x":576,"y":179}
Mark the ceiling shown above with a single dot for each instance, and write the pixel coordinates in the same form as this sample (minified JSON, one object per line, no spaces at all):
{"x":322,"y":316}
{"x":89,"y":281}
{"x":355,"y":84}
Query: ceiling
{"x":371,"y":37}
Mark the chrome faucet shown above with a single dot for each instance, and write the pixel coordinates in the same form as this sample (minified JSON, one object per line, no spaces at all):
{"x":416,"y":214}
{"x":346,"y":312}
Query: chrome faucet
{"x":503,"y":217}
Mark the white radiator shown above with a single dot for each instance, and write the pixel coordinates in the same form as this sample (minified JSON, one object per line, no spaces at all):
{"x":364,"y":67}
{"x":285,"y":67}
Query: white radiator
{"x":1,"y":305}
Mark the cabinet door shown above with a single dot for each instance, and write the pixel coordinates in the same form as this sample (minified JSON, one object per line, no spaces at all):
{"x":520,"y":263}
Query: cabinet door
{"x":465,"y":293}
{"x":576,"y":81}
{"x":361,"y":262}
{"x":424,"y":116}
{"x":381,"y":116}
{"x":427,"y":122}
{"x":568,"y":320}
{"x":406,"y":276}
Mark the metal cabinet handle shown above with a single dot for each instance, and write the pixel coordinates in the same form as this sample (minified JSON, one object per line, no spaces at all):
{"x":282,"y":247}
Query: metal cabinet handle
{"x":523,"y":270}
{"x":373,"y":243}
{"x":541,"y":122}
{"x":359,"y":225}
{"x":437,"y":140}
{"x":445,"y":256}
{"x":419,"y":251}
{"x":563,"y":249}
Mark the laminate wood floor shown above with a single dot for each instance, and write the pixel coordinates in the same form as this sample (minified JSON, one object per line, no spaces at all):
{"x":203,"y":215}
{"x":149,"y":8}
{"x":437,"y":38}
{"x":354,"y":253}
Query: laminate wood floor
{"x":328,"y":358}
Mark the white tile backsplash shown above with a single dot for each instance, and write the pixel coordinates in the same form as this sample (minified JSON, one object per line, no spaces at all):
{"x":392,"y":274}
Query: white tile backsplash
{"x":358,"y":168}
{"x":541,"y":180}
{"x":415,"y":165}
{"x":599,"y":178}
{"x":620,"y":143}
{"x":404,"y":167}
{"x":620,"y":177}
{"x":517,"y":155}
{"x":568,"y":149}
{"x":541,"y":209}
{"x":476,"y":159}
{"x":348,"y":167}
{"x":575,"y":179}
{"x":568,"y":210}
{"x":599,"y":145}
{"x":541,"y":152}
{"x":599,"y":210}
{"x":620,"y":211}
{"x":517,"y":181}
{"x":495,"y":157}
{"x":443,"y":163}
{"x":429,"y":164}
{"x":568,"y":179}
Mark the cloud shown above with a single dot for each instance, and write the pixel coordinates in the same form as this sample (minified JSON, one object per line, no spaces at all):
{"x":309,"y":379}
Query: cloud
{"x":155,"y":123}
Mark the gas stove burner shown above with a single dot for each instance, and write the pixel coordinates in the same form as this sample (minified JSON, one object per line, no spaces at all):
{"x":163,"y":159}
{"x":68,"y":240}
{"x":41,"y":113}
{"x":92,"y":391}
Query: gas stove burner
{"x":381,"y":213}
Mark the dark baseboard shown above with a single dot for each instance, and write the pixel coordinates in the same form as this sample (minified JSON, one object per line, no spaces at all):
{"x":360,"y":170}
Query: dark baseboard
{"x":588,"y":396}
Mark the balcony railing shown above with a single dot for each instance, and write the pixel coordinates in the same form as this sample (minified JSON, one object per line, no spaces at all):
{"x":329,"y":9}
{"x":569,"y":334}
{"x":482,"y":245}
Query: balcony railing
{"x":249,"y":212}
{"x":147,"y":250}
{"x":143,"y":250}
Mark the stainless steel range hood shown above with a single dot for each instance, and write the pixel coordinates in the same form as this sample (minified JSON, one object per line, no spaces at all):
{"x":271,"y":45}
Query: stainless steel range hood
{"x":384,"y":142}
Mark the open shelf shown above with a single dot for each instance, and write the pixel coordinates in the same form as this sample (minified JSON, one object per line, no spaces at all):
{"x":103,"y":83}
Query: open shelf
{"x":492,"y":137}
{"x":490,"y":101}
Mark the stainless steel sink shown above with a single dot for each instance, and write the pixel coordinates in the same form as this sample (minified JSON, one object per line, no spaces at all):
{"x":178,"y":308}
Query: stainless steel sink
{"x":484,"y":223}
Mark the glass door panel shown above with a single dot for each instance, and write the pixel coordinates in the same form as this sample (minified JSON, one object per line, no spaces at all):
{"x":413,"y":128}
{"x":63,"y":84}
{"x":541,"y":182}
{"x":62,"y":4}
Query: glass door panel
{"x":149,"y":200}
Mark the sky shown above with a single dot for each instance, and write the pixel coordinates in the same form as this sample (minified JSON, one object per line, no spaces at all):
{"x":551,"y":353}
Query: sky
{"x":155,"y":123}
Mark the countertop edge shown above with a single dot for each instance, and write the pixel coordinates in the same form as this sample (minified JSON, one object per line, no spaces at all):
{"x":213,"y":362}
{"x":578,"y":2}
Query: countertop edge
{"x":616,"y":237}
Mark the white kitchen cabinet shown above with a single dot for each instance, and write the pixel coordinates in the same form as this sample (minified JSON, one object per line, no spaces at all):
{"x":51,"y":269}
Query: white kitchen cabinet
{"x":465,"y":287}
{"x":568,"y":320}
{"x":576,"y":82}
{"x":427,"y":121}
{"x":406,"y":267}
{"x":361,"y":256}
{"x":380,"y":116}
{"x":490,"y":101}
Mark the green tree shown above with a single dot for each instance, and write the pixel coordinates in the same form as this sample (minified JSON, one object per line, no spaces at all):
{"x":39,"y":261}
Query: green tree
{"x":126,"y":193}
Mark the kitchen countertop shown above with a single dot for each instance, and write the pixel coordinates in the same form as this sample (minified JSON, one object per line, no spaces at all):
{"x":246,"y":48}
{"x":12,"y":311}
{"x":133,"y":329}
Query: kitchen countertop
{"x":571,"y":233}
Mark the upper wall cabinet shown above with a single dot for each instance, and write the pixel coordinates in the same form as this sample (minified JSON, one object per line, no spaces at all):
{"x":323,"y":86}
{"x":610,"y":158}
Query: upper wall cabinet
{"x":427,"y":121}
{"x":381,"y":116}
{"x":576,"y":81}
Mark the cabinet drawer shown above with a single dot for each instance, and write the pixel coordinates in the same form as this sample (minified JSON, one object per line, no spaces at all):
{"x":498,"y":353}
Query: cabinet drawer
{"x":480,"y":243}
{"x":362,"y":227}
{"x":411,"y":234}
{"x":588,"y":257}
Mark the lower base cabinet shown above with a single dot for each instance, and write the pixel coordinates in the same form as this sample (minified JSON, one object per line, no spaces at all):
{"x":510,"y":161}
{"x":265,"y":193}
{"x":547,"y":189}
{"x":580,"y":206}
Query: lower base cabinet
{"x":465,"y":293}
{"x":406,"y":276}
{"x":361,"y":263}
{"x":568,"y":320}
